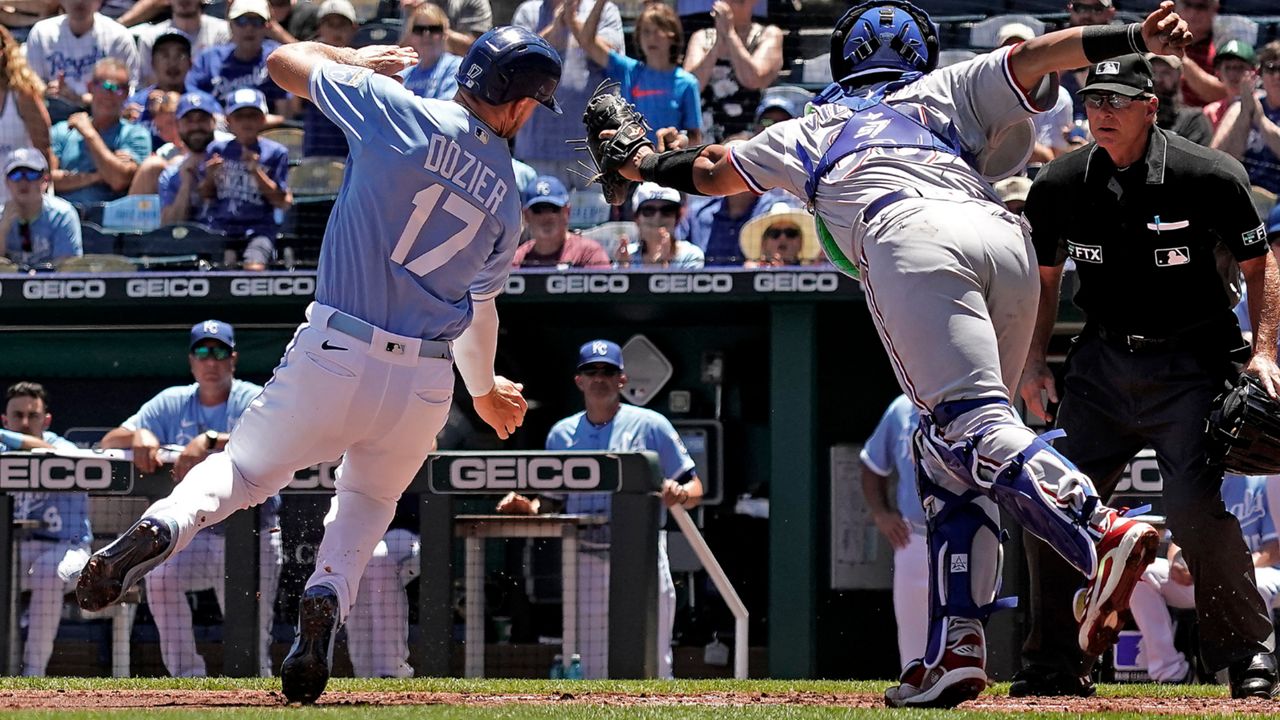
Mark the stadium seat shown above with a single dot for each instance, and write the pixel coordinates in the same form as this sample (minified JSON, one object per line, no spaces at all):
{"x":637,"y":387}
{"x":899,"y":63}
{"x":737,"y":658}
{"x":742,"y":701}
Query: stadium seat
{"x":97,"y":263}
{"x":951,"y":57}
{"x":95,"y":240}
{"x":290,"y":137}
{"x":315,"y":177}
{"x":984,"y":34}
{"x":182,"y":240}
{"x":378,"y":32}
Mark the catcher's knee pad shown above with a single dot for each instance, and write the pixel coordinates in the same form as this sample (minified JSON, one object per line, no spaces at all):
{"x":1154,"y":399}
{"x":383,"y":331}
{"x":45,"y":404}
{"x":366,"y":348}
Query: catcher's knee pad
{"x":965,"y":561}
{"x":1043,"y":490}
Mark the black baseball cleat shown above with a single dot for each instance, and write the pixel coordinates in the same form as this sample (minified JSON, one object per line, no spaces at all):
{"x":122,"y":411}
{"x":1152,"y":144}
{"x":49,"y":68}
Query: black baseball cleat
{"x":1253,"y":676}
{"x":1041,"y":681}
{"x":305,"y":671}
{"x":115,"y":568}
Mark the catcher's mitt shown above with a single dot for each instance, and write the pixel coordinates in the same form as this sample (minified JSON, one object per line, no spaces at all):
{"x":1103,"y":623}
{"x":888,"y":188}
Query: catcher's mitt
{"x":1243,"y":429}
{"x":606,"y":110}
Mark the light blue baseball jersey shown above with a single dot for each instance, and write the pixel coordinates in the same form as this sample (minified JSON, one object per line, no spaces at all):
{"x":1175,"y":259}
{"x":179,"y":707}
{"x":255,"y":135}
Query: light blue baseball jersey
{"x":888,"y":452}
{"x":1246,"y":498}
{"x":53,"y":235}
{"x":62,"y":515}
{"x":428,"y":216}
{"x":632,"y":429}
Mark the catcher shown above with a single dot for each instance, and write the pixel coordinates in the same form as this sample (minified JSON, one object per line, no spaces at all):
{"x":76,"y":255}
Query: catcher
{"x":897,"y":161}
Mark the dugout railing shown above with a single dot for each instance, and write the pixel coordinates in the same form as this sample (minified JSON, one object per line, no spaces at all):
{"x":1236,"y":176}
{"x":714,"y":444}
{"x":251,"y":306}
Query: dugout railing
{"x":447,"y":480}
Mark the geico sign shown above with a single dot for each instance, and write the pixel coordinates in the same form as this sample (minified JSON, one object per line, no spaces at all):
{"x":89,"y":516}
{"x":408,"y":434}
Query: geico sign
{"x":508,"y":473}
{"x":166,"y":287}
{"x":515,"y":285}
{"x":316,"y":477}
{"x":1143,"y":476}
{"x":796,"y":282}
{"x":577,"y":284}
{"x":691,"y":283}
{"x":63,"y":289}
{"x":54,"y":473}
{"x":269,"y":287}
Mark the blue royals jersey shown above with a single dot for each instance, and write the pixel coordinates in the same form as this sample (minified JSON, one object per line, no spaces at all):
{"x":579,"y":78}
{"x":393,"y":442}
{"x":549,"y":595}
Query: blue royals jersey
{"x":176,"y":417}
{"x":632,"y":429}
{"x":1246,"y":498}
{"x":62,"y":515}
{"x":888,"y":452}
{"x":428,"y":217}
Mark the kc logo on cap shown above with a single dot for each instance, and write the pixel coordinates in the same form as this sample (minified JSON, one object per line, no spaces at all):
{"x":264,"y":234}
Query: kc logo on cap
{"x":599,"y":348}
{"x":1109,"y":67}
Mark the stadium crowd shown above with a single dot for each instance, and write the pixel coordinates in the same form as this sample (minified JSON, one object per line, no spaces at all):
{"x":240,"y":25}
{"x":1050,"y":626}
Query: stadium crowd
{"x":159,"y":113}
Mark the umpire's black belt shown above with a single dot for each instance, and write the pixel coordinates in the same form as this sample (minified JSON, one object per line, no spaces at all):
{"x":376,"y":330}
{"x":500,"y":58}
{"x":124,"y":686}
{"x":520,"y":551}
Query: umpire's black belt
{"x":1193,"y":337}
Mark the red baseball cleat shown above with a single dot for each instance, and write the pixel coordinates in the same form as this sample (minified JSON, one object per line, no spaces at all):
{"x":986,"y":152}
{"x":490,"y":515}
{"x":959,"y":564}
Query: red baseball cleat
{"x":961,"y":674}
{"x":1126,"y":547}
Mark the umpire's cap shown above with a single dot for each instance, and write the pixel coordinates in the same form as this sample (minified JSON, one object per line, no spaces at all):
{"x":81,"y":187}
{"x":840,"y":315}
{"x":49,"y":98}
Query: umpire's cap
{"x":509,"y":63}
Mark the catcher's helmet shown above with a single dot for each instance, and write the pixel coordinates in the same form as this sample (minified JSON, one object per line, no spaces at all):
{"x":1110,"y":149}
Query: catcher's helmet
{"x":509,"y":63}
{"x":883,"y":37}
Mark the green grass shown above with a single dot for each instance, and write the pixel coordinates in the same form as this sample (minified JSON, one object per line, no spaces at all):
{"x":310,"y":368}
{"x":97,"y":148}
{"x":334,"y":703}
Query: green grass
{"x":552,"y":710}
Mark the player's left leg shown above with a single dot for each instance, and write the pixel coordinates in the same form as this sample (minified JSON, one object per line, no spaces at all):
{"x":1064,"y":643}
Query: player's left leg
{"x":45,"y":568}
{"x":666,"y":608}
{"x":378,"y":626}
{"x":911,"y":597}
{"x":1151,"y":614}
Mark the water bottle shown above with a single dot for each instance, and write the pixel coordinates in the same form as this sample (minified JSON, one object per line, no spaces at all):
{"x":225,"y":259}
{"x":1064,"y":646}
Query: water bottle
{"x":557,"y":668}
{"x":575,"y":667}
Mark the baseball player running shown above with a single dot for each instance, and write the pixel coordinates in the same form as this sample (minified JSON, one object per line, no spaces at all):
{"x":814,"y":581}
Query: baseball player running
{"x":371,"y":370}
{"x":897,"y":161}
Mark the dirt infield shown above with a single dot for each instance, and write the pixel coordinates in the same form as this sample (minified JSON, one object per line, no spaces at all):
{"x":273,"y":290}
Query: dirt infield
{"x":194,"y":699}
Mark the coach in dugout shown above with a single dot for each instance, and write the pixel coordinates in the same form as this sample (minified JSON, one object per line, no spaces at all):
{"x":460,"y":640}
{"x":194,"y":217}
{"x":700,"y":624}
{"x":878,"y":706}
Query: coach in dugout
{"x":1171,"y":225}
{"x":609,"y":424}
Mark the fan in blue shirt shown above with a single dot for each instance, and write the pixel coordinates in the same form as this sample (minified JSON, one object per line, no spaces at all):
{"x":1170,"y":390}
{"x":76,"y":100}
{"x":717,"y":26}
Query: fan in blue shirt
{"x":241,"y":63}
{"x":435,"y":75}
{"x":664,"y":92}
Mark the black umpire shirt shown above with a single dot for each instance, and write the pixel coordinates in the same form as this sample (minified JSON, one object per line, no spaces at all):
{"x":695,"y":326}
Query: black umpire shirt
{"x":1155,"y":244}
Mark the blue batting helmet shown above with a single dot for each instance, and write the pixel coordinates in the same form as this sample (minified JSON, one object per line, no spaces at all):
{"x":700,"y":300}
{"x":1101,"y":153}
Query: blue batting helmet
{"x":883,"y":37}
{"x":509,"y":63}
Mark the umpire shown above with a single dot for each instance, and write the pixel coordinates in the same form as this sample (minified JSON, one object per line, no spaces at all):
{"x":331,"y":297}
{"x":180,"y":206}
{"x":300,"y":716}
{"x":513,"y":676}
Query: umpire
{"x":1160,"y":229}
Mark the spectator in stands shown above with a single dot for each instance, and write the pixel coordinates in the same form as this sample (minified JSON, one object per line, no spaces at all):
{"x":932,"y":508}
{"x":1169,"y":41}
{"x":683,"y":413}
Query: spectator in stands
{"x":170,"y":61}
{"x":1199,"y":85}
{"x":1171,"y":114}
{"x":321,"y":136}
{"x":53,"y":543}
{"x":1236,"y":65}
{"x":97,"y":152}
{"x":607,"y":424}
{"x":733,"y":61}
{"x":292,"y":21}
{"x":179,"y":181}
{"x":714,"y":224}
{"x":1013,"y":193}
{"x":779,"y":104}
{"x":1052,"y":126}
{"x":198,"y":418}
{"x":25,"y":13}
{"x":541,"y":141}
{"x":37,"y":227}
{"x":1167,"y":581}
{"x":1082,"y":13}
{"x":435,"y":75}
{"x":1250,"y":128}
{"x":657,"y":212}
{"x":189,"y":21}
{"x":162,"y":107}
{"x":468,"y":20}
{"x":24,"y":120}
{"x":546,"y":215}
{"x":665,"y":92}
{"x":241,"y":63}
{"x":63,"y":50}
{"x":246,"y":180}
{"x":785,"y":235}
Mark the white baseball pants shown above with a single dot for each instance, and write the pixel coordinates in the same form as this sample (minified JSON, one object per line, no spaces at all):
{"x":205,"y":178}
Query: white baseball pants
{"x":911,"y":597}
{"x":378,"y":402}
{"x":48,"y":570}
{"x":202,"y":566}
{"x":378,"y":627}
{"x":593,"y":611}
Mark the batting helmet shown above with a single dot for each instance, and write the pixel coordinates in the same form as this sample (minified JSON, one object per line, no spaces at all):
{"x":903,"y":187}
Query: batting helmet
{"x":883,"y":36}
{"x":509,"y":63}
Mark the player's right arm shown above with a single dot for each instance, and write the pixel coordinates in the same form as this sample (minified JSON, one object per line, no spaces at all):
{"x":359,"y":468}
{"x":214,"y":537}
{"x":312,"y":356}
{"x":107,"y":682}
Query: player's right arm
{"x":497,"y":400}
{"x":1163,"y":32}
{"x":290,"y":66}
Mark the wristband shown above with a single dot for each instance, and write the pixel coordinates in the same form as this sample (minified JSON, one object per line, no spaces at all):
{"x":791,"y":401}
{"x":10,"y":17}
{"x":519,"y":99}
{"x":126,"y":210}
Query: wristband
{"x":673,"y":169}
{"x":11,"y":439}
{"x":1103,"y":42}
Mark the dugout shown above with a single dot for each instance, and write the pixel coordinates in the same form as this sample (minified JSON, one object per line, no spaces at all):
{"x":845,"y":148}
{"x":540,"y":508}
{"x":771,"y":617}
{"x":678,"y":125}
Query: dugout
{"x":802,"y":371}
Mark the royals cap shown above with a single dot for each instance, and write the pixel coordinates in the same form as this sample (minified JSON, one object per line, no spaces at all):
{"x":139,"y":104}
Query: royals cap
{"x":213,"y":330}
{"x":600,"y":351}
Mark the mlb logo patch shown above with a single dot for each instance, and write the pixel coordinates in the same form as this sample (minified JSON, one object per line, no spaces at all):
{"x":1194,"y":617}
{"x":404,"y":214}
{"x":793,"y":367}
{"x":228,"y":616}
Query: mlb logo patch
{"x":1256,"y":235}
{"x":1085,"y":253}
{"x":960,"y":563}
{"x":1110,"y":67}
{"x":1169,"y":257}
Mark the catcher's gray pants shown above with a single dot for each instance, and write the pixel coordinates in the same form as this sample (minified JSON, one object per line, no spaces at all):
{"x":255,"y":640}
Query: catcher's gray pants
{"x":1114,"y":403}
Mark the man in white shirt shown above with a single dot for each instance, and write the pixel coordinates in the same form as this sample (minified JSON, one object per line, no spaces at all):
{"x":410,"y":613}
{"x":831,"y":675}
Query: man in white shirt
{"x":62,"y":50}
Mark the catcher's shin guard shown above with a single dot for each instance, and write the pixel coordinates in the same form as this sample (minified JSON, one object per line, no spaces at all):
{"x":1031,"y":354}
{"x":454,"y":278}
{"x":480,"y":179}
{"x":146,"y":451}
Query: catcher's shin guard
{"x":1043,"y":490}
